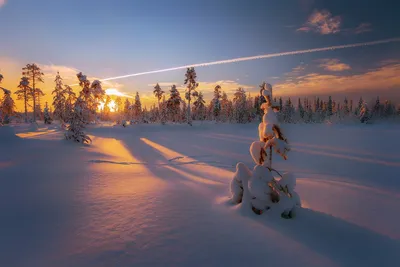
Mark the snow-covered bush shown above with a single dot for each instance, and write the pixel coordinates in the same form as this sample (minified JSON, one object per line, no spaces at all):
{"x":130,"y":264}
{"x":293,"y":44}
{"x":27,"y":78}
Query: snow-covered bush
{"x":258,"y":189}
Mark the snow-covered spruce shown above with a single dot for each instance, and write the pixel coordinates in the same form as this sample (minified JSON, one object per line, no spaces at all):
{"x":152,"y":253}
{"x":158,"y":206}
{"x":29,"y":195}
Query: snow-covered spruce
{"x":6,"y":106}
{"x":47,"y":118}
{"x":75,"y":129}
{"x":264,"y":191}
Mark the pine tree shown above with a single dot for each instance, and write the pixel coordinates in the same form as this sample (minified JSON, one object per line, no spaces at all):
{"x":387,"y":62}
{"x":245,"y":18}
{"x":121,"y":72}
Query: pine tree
{"x":92,"y":94}
{"x":38,"y":94}
{"x":364,"y":113}
{"x":240,"y":107}
{"x":346,"y":109}
{"x":377,"y":108}
{"x":118,"y":104}
{"x":216,"y":102}
{"x":70,"y":98}
{"x":174,"y":103}
{"x":301,"y":109}
{"x":388,"y":109}
{"x":351,"y":105}
{"x":288,"y":112}
{"x":47,"y":118}
{"x":158,"y":93}
{"x":98,"y":95}
{"x":34,"y":75}
{"x":163,"y":111}
{"x":7,"y":105}
{"x":199,"y":107}
{"x":106,"y":108}
{"x":86,"y":95}
{"x":226,"y":108}
{"x":127,"y":104}
{"x":24,"y":94}
{"x":360,"y":105}
{"x":183,"y":113}
{"x":191,"y":86}
{"x":59,"y":101}
{"x":137,"y":108}
{"x":77,"y":124}
{"x":330,"y":107}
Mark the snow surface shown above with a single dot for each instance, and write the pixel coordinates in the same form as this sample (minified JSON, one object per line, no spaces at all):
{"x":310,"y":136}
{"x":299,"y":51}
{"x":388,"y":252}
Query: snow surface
{"x":154,"y":195}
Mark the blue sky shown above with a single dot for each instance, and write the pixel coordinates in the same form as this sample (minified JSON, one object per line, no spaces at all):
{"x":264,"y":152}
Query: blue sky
{"x":110,"y":38}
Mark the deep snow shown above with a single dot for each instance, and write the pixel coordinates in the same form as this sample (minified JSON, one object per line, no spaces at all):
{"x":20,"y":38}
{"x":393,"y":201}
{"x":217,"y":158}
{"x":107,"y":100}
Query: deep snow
{"x":152,"y":195}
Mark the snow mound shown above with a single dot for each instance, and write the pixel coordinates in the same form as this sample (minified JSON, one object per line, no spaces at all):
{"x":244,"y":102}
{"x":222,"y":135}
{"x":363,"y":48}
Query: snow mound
{"x":33,"y":127}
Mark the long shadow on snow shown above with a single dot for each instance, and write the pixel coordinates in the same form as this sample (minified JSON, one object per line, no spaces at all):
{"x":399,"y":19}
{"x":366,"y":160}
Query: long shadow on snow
{"x":165,"y":171}
{"x":345,"y":243}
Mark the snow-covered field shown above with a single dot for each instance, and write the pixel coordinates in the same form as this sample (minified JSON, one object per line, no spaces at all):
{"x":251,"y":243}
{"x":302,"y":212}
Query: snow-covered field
{"x":152,"y":195}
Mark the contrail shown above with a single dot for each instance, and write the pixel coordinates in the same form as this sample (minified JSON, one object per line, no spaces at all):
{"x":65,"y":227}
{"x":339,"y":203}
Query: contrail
{"x":227,"y":61}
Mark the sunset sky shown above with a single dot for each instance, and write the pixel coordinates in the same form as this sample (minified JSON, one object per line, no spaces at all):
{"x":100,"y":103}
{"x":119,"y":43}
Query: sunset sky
{"x":106,"y":38}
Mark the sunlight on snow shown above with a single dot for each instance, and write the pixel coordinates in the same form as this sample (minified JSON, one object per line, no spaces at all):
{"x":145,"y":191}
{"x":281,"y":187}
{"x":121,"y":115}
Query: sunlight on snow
{"x":111,"y":147}
{"x":192,"y":177}
{"x":32,"y":135}
{"x":135,"y":177}
{"x":205,"y":170}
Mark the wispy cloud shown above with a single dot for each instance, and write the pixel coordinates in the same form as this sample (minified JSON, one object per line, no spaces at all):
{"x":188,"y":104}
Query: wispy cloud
{"x":2,"y":3}
{"x":381,"y":78}
{"x":166,"y":84}
{"x":322,"y":21}
{"x":227,"y":86}
{"x":333,"y":65}
{"x":363,"y":27}
{"x":69,"y":75}
{"x":116,"y":92}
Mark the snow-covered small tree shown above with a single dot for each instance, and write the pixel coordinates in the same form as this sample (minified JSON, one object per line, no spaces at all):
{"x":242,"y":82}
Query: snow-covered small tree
{"x":47,"y":118}
{"x":258,"y":189}
{"x":24,"y":94}
{"x":75,"y":129}
{"x":191,"y":85}
{"x":7,"y":105}
{"x":59,"y":100}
